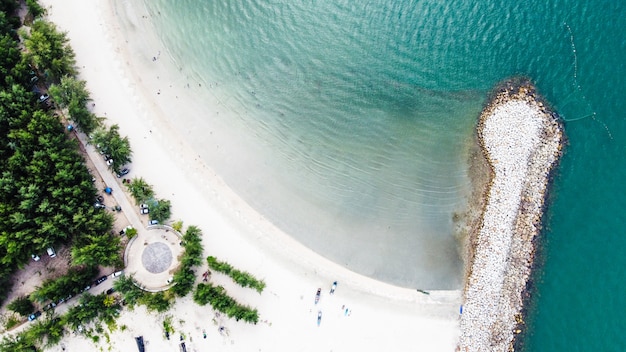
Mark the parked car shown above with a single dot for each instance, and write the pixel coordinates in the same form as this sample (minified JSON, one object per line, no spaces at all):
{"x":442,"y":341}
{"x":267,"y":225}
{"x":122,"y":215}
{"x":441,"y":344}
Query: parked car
{"x":144,"y":210}
{"x":110,"y":291}
{"x":117,"y":273}
{"x":109,"y":162}
{"x":101,"y":280}
{"x":143,"y":205}
{"x":99,"y":206}
{"x":123,"y":172}
{"x":34,"y":316}
{"x":153,"y":222}
{"x":49,"y":306}
{"x":51,"y":252}
{"x":100,"y":199}
{"x":35,"y":257}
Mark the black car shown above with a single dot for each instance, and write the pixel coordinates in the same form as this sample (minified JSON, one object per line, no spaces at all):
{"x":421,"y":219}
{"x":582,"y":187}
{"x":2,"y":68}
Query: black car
{"x":110,"y":291}
{"x":101,"y":280}
{"x":123,"y":172}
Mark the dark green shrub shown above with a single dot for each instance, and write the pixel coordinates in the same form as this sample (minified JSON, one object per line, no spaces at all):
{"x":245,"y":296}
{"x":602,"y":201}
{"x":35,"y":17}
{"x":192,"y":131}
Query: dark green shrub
{"x":22,"y":305}
{"x":242,"y":278}
{"x":222,"y":302}
{"x":158,"y":301}
{"x":71,"y":283}
{"x":185,"y":277}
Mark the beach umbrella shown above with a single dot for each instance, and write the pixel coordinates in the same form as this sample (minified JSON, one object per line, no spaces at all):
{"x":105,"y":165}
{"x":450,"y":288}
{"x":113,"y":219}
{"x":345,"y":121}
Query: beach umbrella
{"x":108,"y":190}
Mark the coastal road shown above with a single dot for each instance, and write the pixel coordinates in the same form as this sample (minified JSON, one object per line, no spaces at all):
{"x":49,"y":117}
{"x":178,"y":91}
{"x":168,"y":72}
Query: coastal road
{"x":113,"y":182}
{"x":62,"y":308}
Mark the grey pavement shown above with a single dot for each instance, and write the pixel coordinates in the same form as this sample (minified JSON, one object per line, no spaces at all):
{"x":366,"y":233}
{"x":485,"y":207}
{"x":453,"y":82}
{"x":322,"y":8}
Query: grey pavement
{"x":113,"y":182}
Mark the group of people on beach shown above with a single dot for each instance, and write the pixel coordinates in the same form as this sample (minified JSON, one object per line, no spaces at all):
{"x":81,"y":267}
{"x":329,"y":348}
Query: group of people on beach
{"x":318,"y":295}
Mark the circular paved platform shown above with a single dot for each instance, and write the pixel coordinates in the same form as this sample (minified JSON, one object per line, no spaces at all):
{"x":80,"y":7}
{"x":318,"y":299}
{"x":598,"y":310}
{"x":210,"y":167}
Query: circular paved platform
{"x":152,"y":257}
{"x":156,"y":258}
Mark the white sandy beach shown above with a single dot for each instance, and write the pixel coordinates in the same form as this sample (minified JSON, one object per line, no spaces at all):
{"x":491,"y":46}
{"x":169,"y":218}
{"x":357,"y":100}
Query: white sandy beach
{"x":131,"y":92}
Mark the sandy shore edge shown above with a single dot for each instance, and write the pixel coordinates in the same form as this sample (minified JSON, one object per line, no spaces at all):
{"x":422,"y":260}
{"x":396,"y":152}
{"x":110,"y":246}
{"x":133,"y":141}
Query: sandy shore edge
{"x":382,"y":316}
{"x":522,"y":140}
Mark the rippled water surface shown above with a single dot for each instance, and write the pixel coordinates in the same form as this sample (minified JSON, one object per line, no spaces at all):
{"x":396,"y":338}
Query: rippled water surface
{"x":358,"y":115}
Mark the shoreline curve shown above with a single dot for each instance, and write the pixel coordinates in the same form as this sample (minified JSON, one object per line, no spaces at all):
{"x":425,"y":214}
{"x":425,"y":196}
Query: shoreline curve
{"x":137,"y":93}
{"x":522,"y":140}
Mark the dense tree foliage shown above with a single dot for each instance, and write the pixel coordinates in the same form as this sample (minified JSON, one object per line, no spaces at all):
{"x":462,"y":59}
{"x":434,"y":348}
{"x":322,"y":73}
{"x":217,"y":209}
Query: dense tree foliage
{"x":46,"y":331}
{"x":48,"y":51}
{"x":244,"y":279}
{"x":160,"y":210}
{"x":18,"y":343}
{"x":68,"y":90}
{"x":46,"y":192}
{"x":221,"y":301}
{"x":111,"y":144}
{"x":92,"y":309}
{"x":9,"y":9}
{"x":34,"y":9}
{"x":185,"y":277}
{"x":22,"y":305}
{"x":73,"y":282}
{"x":158,"y":301}
{"x":11,"y":67}
{"x":98,"y":250}
{"x":129,"y":289}
{"x":70,"y":93}
{"x":140,"y":190}
{"x":133,"y":295}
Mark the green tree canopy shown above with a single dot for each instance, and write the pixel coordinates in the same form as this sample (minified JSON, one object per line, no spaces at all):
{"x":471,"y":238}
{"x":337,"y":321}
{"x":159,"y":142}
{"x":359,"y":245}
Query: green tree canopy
{"x":221,"y":301}
{"x":73,"y":282}
{"x":22,"y":305}
{"x":68,"y":90}
{"x":98,"y":250}
{"x":140,"y":190}
{"x":160,"y":210}
{"x":109,"y":142}
{"x":49,"y":51}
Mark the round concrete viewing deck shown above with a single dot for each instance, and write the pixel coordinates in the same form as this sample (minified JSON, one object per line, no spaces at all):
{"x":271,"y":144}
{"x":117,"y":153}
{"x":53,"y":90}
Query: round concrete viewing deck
{"x":152,"y":257}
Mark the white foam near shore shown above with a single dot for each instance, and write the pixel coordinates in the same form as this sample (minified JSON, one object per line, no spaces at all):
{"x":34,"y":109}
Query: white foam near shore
{"x":522,"y":141}
{"x":383,"y":317}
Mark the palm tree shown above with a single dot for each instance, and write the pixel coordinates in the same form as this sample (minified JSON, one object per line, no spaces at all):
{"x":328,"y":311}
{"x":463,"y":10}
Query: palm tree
{"x":140,"y":190}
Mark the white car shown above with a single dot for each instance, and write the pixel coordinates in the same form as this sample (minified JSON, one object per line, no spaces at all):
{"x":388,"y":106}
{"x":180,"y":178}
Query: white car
{"x":51,"y":252}
{"x":117,"y":273}
{"x":153,"y":222}
{"x":143,"y":205}
{"x":144,"y":210}
{"x":35,"y":257}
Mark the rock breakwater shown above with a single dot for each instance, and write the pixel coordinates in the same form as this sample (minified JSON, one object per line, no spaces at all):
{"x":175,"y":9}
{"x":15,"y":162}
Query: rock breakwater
{"x":522,"y":141}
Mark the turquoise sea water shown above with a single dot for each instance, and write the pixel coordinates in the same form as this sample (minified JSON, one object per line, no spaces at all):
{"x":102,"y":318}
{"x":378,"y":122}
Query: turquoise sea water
{"x":366,"y":109}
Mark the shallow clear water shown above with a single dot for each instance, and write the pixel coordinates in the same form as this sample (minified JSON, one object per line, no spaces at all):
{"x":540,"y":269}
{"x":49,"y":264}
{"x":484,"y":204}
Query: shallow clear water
{"x":358,"y":116}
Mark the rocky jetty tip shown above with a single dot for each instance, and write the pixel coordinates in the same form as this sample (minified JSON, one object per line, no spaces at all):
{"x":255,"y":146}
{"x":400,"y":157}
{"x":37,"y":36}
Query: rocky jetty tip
{"x":522,"y":140}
